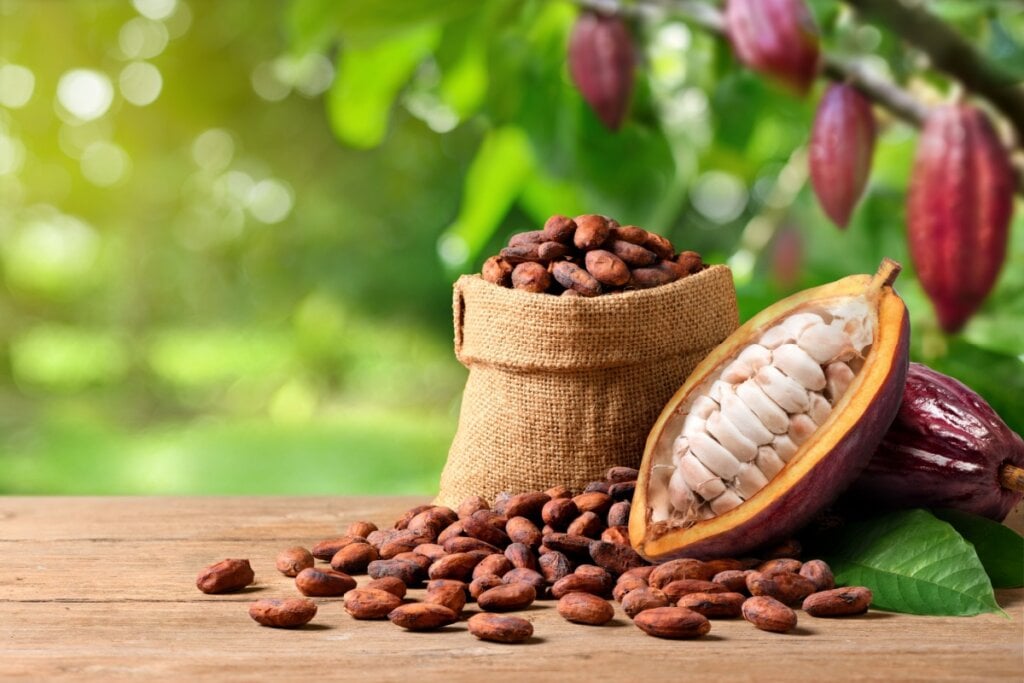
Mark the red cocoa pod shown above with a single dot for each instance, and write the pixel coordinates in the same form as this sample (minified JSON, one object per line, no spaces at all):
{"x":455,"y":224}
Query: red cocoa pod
{"x":293,"y":560}
{"x":499,"y":628}
{"x":768,"y":614}
{"x":323,"y":583}
{"x":958,"y":211}
{"x":363,"y":529}
{"x":946,"y":448}
{"x":584,"y":608}
{"x":531,"y":277}
{"x":370,"y":603}
{"x":775,"y":37}
{"x":225,"y":576}
{"x":601,"y":62}
{"x":287,"y":613}
{"x":498,"y":271}
{"x":838,"y":602}
{"x":559,"y":229}
{"x":591,"y":231}
{"x":422,"y":616}
{"x":842,"y":145}
{"x":672,"y":622}
{"x":528,"y":238}
{"x":607,"y":268}
{"x":574,"y":278}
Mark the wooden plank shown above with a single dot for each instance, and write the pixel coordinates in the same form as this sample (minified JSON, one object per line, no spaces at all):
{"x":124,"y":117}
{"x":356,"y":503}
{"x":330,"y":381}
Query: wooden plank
{"x":103,"y":588}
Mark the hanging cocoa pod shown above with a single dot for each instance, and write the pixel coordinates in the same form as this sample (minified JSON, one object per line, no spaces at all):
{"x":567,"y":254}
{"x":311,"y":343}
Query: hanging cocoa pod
{"x":775,"y":37}
{"x":946,"y":448}
{"x":601,"y":65}
{"x":958,"y":211}
{"x":774,"y":423}
{"x":842,"y":144}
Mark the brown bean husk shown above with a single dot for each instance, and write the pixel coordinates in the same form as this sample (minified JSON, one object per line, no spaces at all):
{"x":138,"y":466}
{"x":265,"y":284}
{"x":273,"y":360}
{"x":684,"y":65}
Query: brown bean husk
{"x":562,"y":388}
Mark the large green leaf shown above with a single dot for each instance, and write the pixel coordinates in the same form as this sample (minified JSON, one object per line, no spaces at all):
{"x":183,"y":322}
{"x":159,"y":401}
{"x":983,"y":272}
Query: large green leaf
{"x":495,"y":179}
{"x":913,"y":563}
{"x":368,"y":80}
{"x":1000,"y":548}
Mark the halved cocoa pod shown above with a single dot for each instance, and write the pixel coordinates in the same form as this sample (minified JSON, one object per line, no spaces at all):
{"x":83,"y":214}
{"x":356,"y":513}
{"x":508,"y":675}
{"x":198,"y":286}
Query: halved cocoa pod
{"x":947,"y":448}
{"x":774,"y":423}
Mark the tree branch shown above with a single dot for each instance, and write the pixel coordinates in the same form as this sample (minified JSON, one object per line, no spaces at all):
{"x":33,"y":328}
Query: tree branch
{"x":949,"y":52}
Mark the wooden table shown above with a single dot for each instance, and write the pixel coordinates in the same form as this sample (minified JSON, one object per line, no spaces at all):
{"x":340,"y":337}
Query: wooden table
{"x":103,"y":588}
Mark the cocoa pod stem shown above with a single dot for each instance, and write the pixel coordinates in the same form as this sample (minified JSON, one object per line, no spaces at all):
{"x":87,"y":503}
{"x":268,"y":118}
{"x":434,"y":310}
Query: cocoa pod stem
{"x":1012,"y":477}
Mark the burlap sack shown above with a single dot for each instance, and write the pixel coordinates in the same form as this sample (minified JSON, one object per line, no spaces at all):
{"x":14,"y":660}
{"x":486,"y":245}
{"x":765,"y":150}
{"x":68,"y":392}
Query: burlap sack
{"x":560,"y":388}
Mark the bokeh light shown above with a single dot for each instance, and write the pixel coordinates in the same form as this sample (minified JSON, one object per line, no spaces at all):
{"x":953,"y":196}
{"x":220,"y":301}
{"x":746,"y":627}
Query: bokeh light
{"x":16,"y":85}
{"x":104,"y":164}
{"x":140,"y":83}
{"x":270,"y":201}
{"x":155,"y":9}
{"x":719,"y":196}
{"x":141,"y":38}
{"x":85,"y":94}
{"x":213,"y":150}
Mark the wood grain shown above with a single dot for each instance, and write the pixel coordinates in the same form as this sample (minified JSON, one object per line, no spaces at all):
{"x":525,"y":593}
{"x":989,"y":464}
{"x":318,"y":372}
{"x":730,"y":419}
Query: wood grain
{"x":103,"y":588}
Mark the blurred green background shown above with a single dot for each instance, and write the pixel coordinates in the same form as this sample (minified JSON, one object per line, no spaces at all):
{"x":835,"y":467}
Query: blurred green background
{"x":228,"y":230}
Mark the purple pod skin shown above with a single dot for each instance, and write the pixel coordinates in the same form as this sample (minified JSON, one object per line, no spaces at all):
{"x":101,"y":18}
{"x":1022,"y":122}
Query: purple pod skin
{"x":842,"y":145}
{"x":946,"y":449}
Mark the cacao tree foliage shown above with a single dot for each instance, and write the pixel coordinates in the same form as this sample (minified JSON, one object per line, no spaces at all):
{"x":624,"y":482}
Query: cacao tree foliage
{"x":276,"y":233}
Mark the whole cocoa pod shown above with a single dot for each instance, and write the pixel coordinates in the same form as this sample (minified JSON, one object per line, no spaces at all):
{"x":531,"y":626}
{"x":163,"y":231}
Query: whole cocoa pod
{"x":958,"y":211}
{"x":842,"y":144}
{"x":775,"y":37}
{"x":601,"y":65}
{"x":946,"y":448}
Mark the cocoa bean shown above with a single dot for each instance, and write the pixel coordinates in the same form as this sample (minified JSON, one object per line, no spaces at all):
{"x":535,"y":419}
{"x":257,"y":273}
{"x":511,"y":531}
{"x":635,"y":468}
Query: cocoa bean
{"x":354,"y":558}
{"x":388,"y":584}
{"x":573,"y":546}
{"x":592,"y":571}
{"x":619,"y":474}
{"x":370,"y":603}
{"x":402,"y":542}
{"x":616,"y":558}
{"x":559,"y":492}
{"x":451,"y":531}
{"x":466,"y":544}
{"x":530,"y":577}
{"x":722,"y":564}
{"x":779,"y":565}
{"x":498,"y":271}
{"x":554,"y":566}
{"x":601,"y":486}
{"x":479,"y":526}
{"x":818,"y":573}
{"x":629,"y":233}
{"x":838,"y":602}
{"x":768,"y":614}
{"x":607,"y":268}
{"x":421,"y":561}
{"x":641,"y":599}
{"x":507,"y":597}
{"x":787,"y":588}
{"x":584,"y":608}
{"x":500,"y":501}
{"x":559,"y":229}
{"x":495,"y":564}
{"x":672,"y":622}
{"x":528,"y":238}
{"x":225,"y":576}
{"x":643,"y":573}
{"x":734,"y":580}
{"x":499,"y":628}
{"x":408,"y":573}
{"x":287,"y":613}
{"x":550,"y":251}
{"x":451,"y":596}
{"x":532,"y":277}
{"x":403,"y":522}
{"x":435,"y":584}
{"x":576,"y":583}
{"x":633,"y":255}
{"x":471,"y":504}
{"x":454,"y":566}
{"x":431,"y":551}
{"x":623,"y":491}
{"x":714,"y":605}
{"x":595,"y":502}
{"x":432,"y":522}
{"x":677,"y":589}
{"x":326,"y":549}
{"x":523,"y":530}
{"x":686,"y":568}
{"x":616,"y":534}
{"x":626,"y":585}
{"x":645,"y":278}
{"x":480,"y":584}
{"x":559,"y":512}
{"x":690,"y":261}
{"x":591,"y":231}
{"x":422,"y":616}
{"x":323,"y":583}
{"x":660,"y":245}
{"x":527,"y":505}
{"x":521,"y":254}
{"x":588,"y":524}
{"x":572,"y":277}
{"x":363,"y":529}
{"x":521,"y":556}
{"x":293,"y":560}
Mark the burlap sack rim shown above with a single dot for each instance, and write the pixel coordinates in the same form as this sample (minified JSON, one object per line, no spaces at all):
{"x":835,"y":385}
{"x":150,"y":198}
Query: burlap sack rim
{"x":604,"y":312}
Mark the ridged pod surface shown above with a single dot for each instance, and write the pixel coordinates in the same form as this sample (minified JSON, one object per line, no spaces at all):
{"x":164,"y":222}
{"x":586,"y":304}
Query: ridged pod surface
{"x":601,"y":64}
{"x":946,"y":448}
{"x":958,"y":211}
{"x":842,"y":145}
{"x":818,"y":427}
{"x":775,"y":37}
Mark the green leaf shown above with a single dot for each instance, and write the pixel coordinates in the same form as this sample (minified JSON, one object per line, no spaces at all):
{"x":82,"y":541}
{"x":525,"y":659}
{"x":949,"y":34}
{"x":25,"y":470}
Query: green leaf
{"x":368,"y":80}
{"x":1000,"y":548}
{"x":313,"y":23}
{"x":495,"y":179}
{"x":913,"y":563}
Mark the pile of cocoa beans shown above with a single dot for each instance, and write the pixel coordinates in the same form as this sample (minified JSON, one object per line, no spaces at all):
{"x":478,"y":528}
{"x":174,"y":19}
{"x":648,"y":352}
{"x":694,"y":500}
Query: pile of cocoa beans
{"x":537,"y":546}
{"x":587,"y":256}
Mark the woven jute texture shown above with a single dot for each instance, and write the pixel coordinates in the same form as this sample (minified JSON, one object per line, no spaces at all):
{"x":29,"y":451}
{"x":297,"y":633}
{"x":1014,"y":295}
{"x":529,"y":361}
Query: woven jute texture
{"x":560,"y":389}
